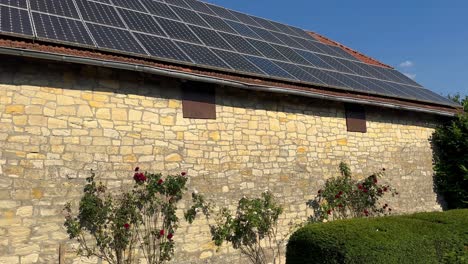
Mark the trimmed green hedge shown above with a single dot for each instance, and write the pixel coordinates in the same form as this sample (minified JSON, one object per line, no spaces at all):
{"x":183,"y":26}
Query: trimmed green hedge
{"x":419,"y":238}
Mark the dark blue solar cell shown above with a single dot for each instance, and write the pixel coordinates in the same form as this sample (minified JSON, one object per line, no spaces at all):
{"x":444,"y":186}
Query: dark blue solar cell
{"x":301,"y":33}
{"x":299,"y":73}
{"x":162,"y":48}
{"x":405,"y":78}
{"x":177,"y":30}
{"x":283,"y":28}
{"x":141,"y":22}
{"x":62,"y":7}
{"x":61,"y":29}
{"x":180,"y":3}
{"x":353,"y":66}
{"x":370,"y":86}
{"x":217,"y":23}
{"x":265,"y":23}
{"x":202,"y":55}
{"x":246,"y":19}
{"x":222,"y":12}
{"x":189,"y":16}
{"x":159,"y":9}
{"x":199,"y":6}
{"x":237,"y":61}
{"x":372,"y":70}
{"x":314,"y":59}
{"x":269,"y":67}
{"x":210,"y":37}
{"x":14,"y":20}
{"x":291,"y":55}
{"x":323,"y":76}
{"x":99,"y":13}
{"x":16,"y":3}
{"x":341,"y":53}
{"x":130,"y":4}
{"x":267,"y":50}
{"x":240,"y":44}
{"x":243,"y":29}
{"x":334,"y":63}
{"x":266,"y":35}
{"x":116,"y":39}
{"x":287,"y":40}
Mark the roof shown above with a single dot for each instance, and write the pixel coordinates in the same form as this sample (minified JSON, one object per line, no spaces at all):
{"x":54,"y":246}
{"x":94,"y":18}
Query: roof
{"x":197,"y":38}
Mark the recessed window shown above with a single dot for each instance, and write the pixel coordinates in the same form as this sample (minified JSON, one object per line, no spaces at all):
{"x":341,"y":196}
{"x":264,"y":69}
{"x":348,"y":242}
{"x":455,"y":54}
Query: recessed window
{"x":356,"y":118}
{"x":198,"y":100}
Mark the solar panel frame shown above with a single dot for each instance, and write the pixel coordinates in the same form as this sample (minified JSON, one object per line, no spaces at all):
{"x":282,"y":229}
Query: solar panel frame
{"x":133,"y":5}
{"x":159,"y":9}
{"x":15,"y":3}
{"x":141,"y":22}
{"x":200,"y":7}
{"x":269,"y":67}
{"x":291,"y":54}
{"x":238,"y":61}
{"x":246,"y":19}
{"x":242,"y":29}
{"x":153,"y":44}
{"x":267,"y":50}
{"x":177,"y":30}
{"x":100,"y":13}
{"x":121,"y":39}
{"x":265,"y":35}
{"x":240,"y":44}
{"x":202,"y":55}
{"x":298,"y":72}
{"x":189,"y":16}
{"x":218,"y":23}
{"x":22,"y":26}
{"x":222,"y":12}
{"x":179,"y":3}
{"x":62,"y":30}
{"x":63,"y":7}
{"x":210,"y":37}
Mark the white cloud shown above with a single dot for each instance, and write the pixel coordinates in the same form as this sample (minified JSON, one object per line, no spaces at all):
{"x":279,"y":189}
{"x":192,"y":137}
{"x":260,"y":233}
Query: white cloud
{"x":407,"y":64}
{"x":410,"y":75}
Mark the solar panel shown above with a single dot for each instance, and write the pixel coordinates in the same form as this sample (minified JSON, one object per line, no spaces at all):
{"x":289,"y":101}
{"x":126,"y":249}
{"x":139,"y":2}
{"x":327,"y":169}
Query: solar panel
{"x":114,"y":38}
{"x":177,"y":30}
{"x":99,"y":13}
{"x":269,"y":67}
{"x":237,"y":61}
{"x":189,"y":16}
{"x":16,"y":3}
{"x":62,"y":7}
{"x":202,"y":55}
{"x":61,"y":29}
{"x":162,"y":48}
{"x":15,"y":21}
{"x":159,"y":9}
{"x":196,"y":33}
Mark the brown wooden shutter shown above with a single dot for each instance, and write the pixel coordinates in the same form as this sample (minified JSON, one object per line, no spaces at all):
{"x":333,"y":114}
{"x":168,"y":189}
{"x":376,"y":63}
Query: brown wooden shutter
{"x":198,"y":100}
{"x":355,"y":118}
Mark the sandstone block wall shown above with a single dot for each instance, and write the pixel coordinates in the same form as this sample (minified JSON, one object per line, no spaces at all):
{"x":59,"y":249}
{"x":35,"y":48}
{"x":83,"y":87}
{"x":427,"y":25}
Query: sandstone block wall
{"x":59,"y":121}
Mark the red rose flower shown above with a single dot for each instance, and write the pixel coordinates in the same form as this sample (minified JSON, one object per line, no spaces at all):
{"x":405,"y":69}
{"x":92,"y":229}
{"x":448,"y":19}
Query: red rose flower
{"x":126,"y":225}
{"x":137,"y":168}
{"x":329,"y":211}
{"x":340,"y":206}
{"x":161,"y":232}
{"x":366,"y":212}
{"x":340,"y":193}
{"x":379,"y":190}
{"x":385,"y":189}
{"x":365,"y":190}
{"x":337,"y":196}
{"x":139,"y":177}
{"x":160,"y":181}
{"x":360,"y":187}
{"x":170,"y":236}
{"x":183,"y":173}
{"x":375,"y":180}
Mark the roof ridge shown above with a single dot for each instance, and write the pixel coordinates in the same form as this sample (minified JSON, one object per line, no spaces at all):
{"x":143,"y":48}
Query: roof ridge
{"x":358,"y":55}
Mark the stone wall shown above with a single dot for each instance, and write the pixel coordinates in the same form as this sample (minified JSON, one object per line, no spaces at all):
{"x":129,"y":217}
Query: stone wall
{"x":59,"y":121}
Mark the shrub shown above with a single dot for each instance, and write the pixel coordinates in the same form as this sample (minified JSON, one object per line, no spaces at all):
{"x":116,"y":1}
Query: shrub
{"x":451,"y":161}
{"x":343,"y":197}
{"x":115,"y":227}
{"x":420,"y":238}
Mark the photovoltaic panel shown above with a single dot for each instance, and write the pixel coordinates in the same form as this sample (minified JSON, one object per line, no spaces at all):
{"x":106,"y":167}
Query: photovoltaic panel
{"x":222,"y":12}
{"x":291,"y":54}
{"x":61,"y":29}
{"x":62,"y":7}
{"x":16,"y":21}
{"x":341,"y":53}
{"x":159,"y":9}
{"x":202,"y":55}
{"x":334,"y":63}
{"x":354,"y":67}
{"x":141,"y":22}
{"x":314,"y":59}
{"x":237,"y":61}
{"x":265,"y":23}
{"x":240,"y":44}
{"x":266,"y":35}
{"x":301,"y":33}
{"x":217,"y":23}
{"x":246,"y":19}
{"x":287,"y":40}
{"x":283,"y":28}
{"x":297,"y":72}
{"x":133,"y":4}
{"x":309,"y":45}
{"x":180,"y":3}
{"x":116,"y":39}
{"x":189,"y":16}
{"x":16,"y":3}
{"x":372,"y":70}
{"x":161,"y":47}
{"x":243,"y":29}
{"x":369,"y":86}
{"x":266,"y":49}
{"x":210,"y":37}
{"x":269,"y":67}
{"x":177,"y":30}
{"x":99,"y":13}
{"x":323,"y":77}
{"x":200,"y":7}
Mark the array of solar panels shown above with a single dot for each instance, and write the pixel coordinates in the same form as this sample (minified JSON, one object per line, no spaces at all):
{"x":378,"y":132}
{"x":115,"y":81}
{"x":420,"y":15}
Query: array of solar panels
{"x":197,"y":33}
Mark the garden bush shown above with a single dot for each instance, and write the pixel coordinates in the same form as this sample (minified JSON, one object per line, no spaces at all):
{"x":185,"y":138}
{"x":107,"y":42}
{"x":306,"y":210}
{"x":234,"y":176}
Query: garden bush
{"x":440,"y":237}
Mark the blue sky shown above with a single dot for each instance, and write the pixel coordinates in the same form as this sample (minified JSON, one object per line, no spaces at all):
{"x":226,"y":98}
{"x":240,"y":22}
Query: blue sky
{"x":426,"y":39}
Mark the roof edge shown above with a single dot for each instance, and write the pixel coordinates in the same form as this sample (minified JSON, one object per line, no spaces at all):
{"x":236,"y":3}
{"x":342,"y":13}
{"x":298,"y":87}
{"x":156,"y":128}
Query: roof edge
{"x":358,"y":55}
{"x":221,"y":79}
